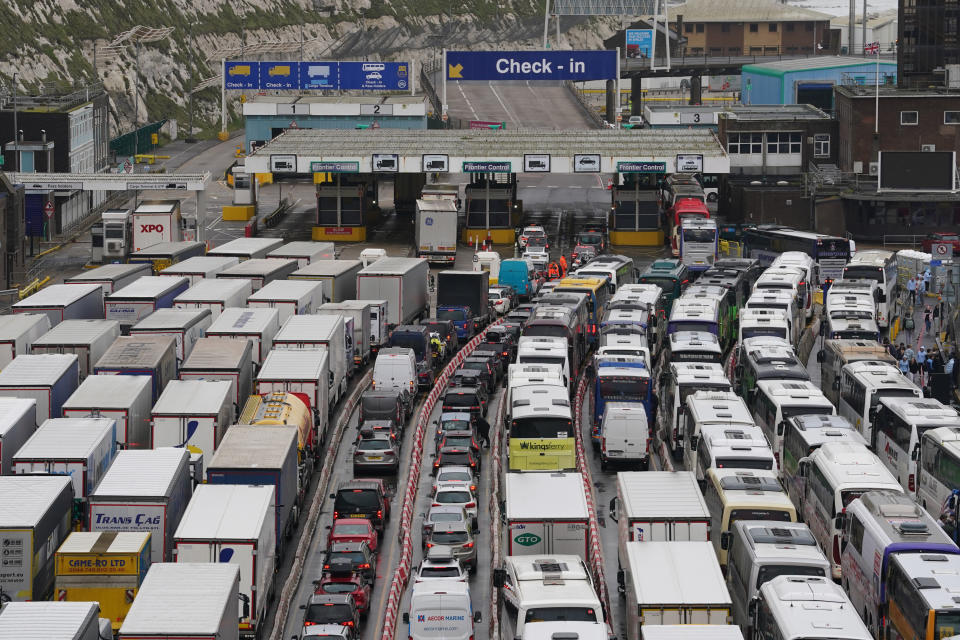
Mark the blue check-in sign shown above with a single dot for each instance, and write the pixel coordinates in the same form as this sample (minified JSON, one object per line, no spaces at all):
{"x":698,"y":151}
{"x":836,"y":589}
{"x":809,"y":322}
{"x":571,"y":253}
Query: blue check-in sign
{"x":279,"y":75}
{"x":531,"y":65}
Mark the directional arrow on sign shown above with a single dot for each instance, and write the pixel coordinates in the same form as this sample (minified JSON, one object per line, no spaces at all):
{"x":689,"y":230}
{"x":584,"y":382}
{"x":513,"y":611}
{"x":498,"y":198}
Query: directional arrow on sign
{"x":455,"y":70}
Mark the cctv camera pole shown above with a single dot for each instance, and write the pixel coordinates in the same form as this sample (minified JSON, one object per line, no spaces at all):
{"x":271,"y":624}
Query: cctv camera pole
{"x":16,"y":140}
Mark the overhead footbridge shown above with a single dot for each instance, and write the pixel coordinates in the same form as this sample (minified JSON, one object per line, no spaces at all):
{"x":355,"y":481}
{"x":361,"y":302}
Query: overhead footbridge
{"x":344,"y":162}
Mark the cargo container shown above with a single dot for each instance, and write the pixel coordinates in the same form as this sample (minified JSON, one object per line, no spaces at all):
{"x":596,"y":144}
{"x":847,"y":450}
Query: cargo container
{"x":125,"y":399}
{"x":156,"y":222}
{"x":35,"y":515}
{"x":142,"y":355}
{"x":88,"y":339}
{"x":402,"y":282}
{"x":106,"y":567}
{"x":234,"y":524}
{"x":162,"y":255}
{"x":316,"y":332}
{"x":185,"y":326}
{"x":193,"y":414}
{"x":546,"y":514}
{"x":111,"y":277}
{"x":306,"y":372}
{"x":61,"y":302}
{"x":219,"y":359}
{"x":379,"y":330}
{"x":258,"y":326}
{"x":144,"y":491}
{"x":339,"y":278}
{"x":185,"y":601}
{"x":436,"y":231}
{"x":18,"y":418}
{"x":659,"y":506}
{"x":141,"y":298}
{"x":17,"y":333}
{"x":673,"y":583}
{"x":216,"y":295}
{"x":49,"y":379}
{"x":53,"y":621}
{"x":260,"y":271}
{"x":361,"y":312}
{"x":79,"y":448}
{"x":200,"y":267}
{"x":304,"y":252}
{"x":289,"y":297}
{"x":247,"y":248}
{"x":262,"y":455}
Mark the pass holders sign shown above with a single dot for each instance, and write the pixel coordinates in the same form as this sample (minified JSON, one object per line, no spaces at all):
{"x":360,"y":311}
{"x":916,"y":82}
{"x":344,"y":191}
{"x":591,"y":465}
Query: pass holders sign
{"x":531,"y":65}
{"x":386,"y":162}
{"x":689,"y":163}
{"x":639,"y":43}
{"x":374,"y":76}
{"x":283,"y":163}
{"x":586,"y":163}
{"x":334,"y":166}
{"x":487,"y":166}
{"x":317,"y":75}
{"x":641,"y":166}
{"x":536,"y":163}
{"x":436,"y":163}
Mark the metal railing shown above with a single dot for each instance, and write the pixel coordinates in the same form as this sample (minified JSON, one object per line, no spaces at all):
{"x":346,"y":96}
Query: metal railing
{"x":707,"y":59}
{"x":585,"y":103}
{"x":903,"y":240}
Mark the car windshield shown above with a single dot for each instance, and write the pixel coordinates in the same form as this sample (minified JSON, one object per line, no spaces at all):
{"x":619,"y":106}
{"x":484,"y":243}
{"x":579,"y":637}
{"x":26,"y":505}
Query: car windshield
{"x":460,"y":400}
{"x":537,"y":241}
{"x":666,"y":284}
{"x":440,"y":572}
{"x":338,"y":587}
{"x":688,"y":325}
{"x":745,"y":463}
{"x":474,"y":366}
{"x":454,"y":476}
{"x":774,"y":515}
{"x":455,"y":425}
{"x":373,"y":445}
{"x":328,"y":613}
{"x":789,"y":412}
{"x":359,"y":498}
{"x":453,"y":497}
{"x":542,"y":428}
{"x":351,"y":530}
{"x":446,"y":517}
{"x":699,"y":235}
{"x":623,"y":389}
{"x":354,"y":557}
{"x":451,"y":314}
{"x":455,"y":458}
{"x":414,"y":342}
{"x":561,"y":614}
{"x":458,"y":441}
{"x":863,"y":273}
{"x":770,"y":571}
{"x":753,"y":332}
{"x":449,"y":537}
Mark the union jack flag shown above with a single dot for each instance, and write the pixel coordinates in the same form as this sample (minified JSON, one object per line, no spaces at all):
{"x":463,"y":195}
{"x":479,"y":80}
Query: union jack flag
{"x":872,"y":48}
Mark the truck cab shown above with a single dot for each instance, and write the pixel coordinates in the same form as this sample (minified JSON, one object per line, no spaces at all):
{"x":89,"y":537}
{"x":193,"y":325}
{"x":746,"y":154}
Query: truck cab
{"x":116,"y":233}
{"x":417,"y":337}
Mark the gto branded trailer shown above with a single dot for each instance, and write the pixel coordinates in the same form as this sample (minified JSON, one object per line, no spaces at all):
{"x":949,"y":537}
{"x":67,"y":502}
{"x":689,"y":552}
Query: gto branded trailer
{"x":306,"y":372}
{"x":304,"y":252}
{"x":216,"y":295}
{"x":258,"y":326}
{"x":185,"y":326}
{"x":339,"y":278}
{"x":35,"y":515}
{"x":141,"y":298}
{"x":234,"y":524}
{"x":261,"y":455}
{"x":61,"y":302}
{"x":111,"y":277}
{"x":247,"y":248}
{"x":289,"y":297}
{"x":546,"y":514}
{"x":362,"y":313}
{"x":144,"y":491}
{"x":79,"y":448}
{"x":200,"y":267}
{"x":17,"y":333}
{"x":105,"y":567}
{"x":48,"y":378}
{"x":320,"y":332}
{"x":124,"y":399}
{"x":402,"y":282}
{"x":53,"y":621}
{"x":88,"y":339}
{"x":219,"y":359}
{"x":185,"y":601}
{"x":193,"y":414}
{"x":17,"y":423}
{"x":141,"y":355}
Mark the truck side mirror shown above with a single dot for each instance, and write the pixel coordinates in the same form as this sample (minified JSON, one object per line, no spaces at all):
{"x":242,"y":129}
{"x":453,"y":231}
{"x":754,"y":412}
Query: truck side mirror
{"x":752,"y":609}
{"x":499,"y":578}
{"x":245,"y":599}
{"x":612,"y":509}
{"x":836,"y":384}
{"x":406,"y":618}
{"x":477,"y":617}
{"x":839,"y":521}
{"x":725,"y":540}
{"x":333,"y":496}
{"x":780,"y":428}
{"x":915,"y":454}
{"x":694,"y":443}
{"x":803,"y":467}
{"x":820,"y":356}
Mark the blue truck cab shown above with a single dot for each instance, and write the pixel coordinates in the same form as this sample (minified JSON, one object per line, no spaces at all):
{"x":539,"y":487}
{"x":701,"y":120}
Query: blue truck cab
{"x":620,"y":379}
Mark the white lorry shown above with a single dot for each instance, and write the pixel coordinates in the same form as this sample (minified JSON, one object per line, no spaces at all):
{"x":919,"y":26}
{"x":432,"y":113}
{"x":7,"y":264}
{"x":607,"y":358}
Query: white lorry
{"x":546,"y":514}
{"x":436,"y":231}
{"x":320,"y":332}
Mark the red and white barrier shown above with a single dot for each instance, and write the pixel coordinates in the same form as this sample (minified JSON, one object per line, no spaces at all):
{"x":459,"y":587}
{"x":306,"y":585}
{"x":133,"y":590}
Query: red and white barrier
{"x":495,"y":443}
{"x":402,"y":573}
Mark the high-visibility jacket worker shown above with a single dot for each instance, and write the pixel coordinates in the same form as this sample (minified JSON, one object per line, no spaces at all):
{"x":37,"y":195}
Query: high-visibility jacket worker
{"x":563,"y":266}
{"x":553,"y":272}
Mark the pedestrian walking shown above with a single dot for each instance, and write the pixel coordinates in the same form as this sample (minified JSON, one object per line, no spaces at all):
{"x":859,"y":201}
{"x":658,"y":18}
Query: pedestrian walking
{"x":914,"y":370}
{"x":908,"y":352}
{"x":563,"y":266}
{"x":905,"y":367}
{"x":921,"y":364}
{"x":908,"y":329}
{"x":900,"y":351}
{"x":928,"y":318}
{"x":483,"y":427}
{"x":891,"y":348}
{"x":912,"y":291}
{"x":951,"y":363}
{"x":926,"y":280}
{"x":921,"y":288}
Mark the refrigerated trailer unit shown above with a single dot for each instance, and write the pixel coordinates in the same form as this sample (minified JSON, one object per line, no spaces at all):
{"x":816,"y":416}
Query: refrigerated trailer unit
{"x":17,"y":333}
{"x":260,"y":271}
{"x":216,"y":295}
{"x":156,"y":222}
{"x":48,"y":378}
{"x":141,"y":355}
{"x":185,"y":326}
{"x":234,"y":524}
{"x":258,"y":326}
{"x":61,"y":302}
{"x":17,"y":423}
{"x":125,"y":399}
{"x":339,"y":278}
{"x":304,"y":252}
{"x":144,"y":491}
{"x":53,"y":621}
{"x":111,"y":277}
{"x":436,"y":231}
{"x":320,"y":332}
{"x":193,"y":414}
{"x":247,"y":248}
{"x":200,"y":267}
{"x":546,"y":514}
{"x":185,"y":601}
{"x":361,"y":311}
{"x":402,"y":282}
{"x":289,"y":297}
{"x":219,"y":359}
{"x":306,"y":372}
{"x":79,"y":448}
{"x":142,"y":297}
{"x":262,"y":455}
{"x":35,"y":515}
{"x":88,"y":339}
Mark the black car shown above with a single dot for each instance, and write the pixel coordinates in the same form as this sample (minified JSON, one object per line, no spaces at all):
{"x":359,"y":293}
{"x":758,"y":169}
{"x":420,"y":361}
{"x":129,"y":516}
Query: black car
{"x":382,"y":405}
{"x":447,"y":331}
{"x":469,"y":378}
{"x":457,"y":456}
{"x":484,"y":363}
{"x":465,"y":399}
{"x":495,"y":352}
{"x":500,"y":335}
{"x":355,"y":556}
{"x":513,"y":326}
{"x":365,"y":498}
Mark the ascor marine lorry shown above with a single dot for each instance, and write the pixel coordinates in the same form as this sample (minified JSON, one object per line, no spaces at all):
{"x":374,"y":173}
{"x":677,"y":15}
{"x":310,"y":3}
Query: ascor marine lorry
{"x":462,"y":296}
{"x":436,"y":236}
{"x":402,"y":282}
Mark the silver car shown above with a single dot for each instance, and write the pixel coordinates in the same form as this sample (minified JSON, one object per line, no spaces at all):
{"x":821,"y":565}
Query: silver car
{"x":459,"y":538}
{"x":379,"y":452}
{"x":441,"y":514}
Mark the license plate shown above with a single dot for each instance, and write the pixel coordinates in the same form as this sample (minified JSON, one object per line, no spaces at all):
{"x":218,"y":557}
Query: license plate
{"x":374,"y":458}
{"x":358,"y":515}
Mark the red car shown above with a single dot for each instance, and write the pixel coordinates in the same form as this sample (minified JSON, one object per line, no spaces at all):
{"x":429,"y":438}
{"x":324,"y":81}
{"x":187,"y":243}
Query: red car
{"x":941,"y":237}
{"x":354,"y":530}
{"x":346,"y":583}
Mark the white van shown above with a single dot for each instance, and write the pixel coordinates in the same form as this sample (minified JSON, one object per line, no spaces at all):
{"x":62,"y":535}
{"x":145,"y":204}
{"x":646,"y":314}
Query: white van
{"x":440,"y":612}
{"x":626,"y":434}
{"x":396,"y":370}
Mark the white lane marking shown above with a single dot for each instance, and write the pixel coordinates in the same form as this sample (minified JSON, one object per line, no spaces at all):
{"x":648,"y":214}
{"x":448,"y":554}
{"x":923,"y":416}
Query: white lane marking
{"x":504,"y":105}
{"x":215,"y":222}
{"x":467,"y":100}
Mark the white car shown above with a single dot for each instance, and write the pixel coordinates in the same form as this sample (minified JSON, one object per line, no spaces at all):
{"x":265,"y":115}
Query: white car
{"x":326,"y":632}
{"x":528,"y":232}
{"x":455,"y":473}
{"x":499,"y":300}
{"x":441,"y":564}
{"x":456,"y":494}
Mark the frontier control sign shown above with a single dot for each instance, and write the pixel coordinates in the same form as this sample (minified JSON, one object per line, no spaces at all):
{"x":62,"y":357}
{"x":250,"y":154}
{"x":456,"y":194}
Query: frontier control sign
{"x":531,"y":65}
